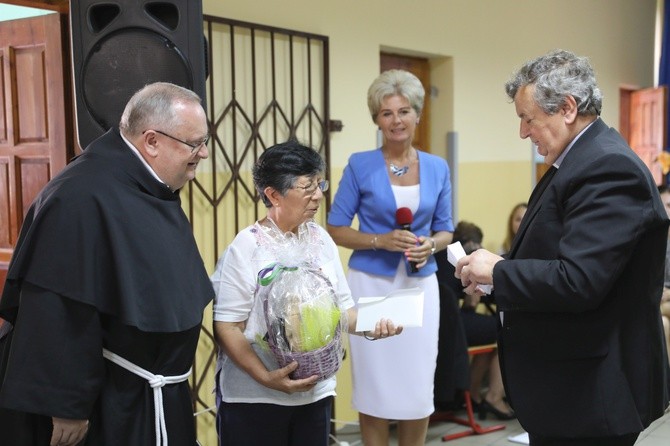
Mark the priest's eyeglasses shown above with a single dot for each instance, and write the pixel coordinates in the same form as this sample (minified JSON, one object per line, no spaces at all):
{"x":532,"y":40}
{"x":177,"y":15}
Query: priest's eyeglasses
{"x":194,"y":146}
{"x":311,"y":188}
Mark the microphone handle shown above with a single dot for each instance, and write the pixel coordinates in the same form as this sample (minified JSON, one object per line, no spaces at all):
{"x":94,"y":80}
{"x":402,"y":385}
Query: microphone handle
{"x":412,"y":265}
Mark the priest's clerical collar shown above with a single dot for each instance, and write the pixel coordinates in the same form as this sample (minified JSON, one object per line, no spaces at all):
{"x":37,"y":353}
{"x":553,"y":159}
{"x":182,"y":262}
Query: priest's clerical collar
{"x":139,"y":155}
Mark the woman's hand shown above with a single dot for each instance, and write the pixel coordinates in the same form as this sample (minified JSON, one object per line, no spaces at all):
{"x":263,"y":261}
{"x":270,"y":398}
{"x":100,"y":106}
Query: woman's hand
{"x":398,"y":240}
{"x":279,"y":380}
{"x":384,"y":328}
{"x":421,"y":252}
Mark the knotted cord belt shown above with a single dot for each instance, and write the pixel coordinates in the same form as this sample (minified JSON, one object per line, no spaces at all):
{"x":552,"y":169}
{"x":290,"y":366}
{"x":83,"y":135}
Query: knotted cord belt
{"x":156,"y":382}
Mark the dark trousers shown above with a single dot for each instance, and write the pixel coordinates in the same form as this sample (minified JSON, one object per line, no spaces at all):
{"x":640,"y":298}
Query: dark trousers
{"x":624,"y":440}
{"x":257,"y":424}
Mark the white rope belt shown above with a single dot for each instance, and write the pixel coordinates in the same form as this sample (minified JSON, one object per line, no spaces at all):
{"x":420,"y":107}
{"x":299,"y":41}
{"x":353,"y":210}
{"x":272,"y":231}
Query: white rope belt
{"x":156,"y":382}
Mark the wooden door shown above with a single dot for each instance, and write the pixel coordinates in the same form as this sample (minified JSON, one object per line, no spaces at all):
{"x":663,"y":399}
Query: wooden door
{"x":421,"y":69}
{"x":540,"y":170}
{"x":646,"y":132}
{"x":34,"y":125}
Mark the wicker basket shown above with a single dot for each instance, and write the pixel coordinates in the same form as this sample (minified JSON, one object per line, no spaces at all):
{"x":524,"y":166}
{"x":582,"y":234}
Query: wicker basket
{"x":323,"y":362}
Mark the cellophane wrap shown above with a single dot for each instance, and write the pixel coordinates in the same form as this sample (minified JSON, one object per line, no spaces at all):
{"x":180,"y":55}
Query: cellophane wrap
{"x":303,"y":320}
{"x":301,"y":310}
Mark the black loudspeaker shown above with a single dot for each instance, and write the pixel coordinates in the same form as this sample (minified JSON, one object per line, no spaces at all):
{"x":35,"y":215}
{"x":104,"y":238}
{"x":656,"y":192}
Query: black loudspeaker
{"x":121,"y":45}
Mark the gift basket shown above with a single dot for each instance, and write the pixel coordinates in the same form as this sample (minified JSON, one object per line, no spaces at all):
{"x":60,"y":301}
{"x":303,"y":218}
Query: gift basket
{"x":303,"y":319}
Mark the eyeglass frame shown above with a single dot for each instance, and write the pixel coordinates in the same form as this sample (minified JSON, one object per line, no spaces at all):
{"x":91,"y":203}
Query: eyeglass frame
{"x":323,"y":185}
{"x":194,"y":147}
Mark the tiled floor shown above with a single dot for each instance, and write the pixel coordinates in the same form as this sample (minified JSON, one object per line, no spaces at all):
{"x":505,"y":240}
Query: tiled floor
{"x":658,"y":434}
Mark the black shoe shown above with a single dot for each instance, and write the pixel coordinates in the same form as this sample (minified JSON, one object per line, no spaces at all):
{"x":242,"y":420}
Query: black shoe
{"x":486,"y":407}
{"x":447,"y":406}
{"x":475,"y":405}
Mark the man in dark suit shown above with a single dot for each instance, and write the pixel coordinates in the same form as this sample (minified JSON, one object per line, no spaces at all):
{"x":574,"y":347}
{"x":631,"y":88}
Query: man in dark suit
{"x":581,"y":342}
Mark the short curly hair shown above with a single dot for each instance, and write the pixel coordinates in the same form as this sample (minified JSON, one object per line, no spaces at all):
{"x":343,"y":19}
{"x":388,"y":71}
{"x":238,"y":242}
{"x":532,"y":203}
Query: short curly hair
{"x":280,"y":165}
{"x":557,"y":75}
{"x":392,"y":83}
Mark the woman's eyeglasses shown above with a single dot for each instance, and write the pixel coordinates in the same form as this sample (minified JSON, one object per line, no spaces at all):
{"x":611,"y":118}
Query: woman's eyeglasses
{"x":311,"y":189}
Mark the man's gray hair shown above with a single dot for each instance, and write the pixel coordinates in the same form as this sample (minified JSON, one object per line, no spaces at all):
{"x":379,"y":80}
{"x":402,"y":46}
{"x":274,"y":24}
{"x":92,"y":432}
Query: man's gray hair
{"x":557,"y":75}
{"x":152,"y":107}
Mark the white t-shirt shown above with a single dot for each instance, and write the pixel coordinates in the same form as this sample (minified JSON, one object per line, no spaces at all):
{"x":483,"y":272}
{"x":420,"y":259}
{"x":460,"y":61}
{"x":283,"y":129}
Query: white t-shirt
{"x":235,"y":281}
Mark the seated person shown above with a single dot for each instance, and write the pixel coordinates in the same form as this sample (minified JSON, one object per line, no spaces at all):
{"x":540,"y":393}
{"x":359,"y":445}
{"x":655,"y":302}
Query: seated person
{"x":453,"y":364}
{"x":480,"y":329}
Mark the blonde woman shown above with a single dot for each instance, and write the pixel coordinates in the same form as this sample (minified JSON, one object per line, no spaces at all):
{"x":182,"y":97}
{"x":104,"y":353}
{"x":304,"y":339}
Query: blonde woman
{"x":374,"y":186}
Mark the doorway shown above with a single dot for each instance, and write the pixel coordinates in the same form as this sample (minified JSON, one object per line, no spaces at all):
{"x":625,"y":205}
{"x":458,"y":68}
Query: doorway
{"x":35,"y":129}
{"x":420,"y":67}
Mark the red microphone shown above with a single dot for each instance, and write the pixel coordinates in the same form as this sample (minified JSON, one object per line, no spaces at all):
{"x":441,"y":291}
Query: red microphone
{"x":404,"y":218}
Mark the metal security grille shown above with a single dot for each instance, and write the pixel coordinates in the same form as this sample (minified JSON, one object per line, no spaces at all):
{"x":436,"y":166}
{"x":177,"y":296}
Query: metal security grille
{"x":265,"y":85}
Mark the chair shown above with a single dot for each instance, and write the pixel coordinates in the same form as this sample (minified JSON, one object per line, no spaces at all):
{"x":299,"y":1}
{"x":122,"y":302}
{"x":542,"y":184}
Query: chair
{"x":474,"y":427}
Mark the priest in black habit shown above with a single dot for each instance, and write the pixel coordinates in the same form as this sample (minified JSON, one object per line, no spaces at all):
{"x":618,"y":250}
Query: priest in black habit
{"x":106,"y":289}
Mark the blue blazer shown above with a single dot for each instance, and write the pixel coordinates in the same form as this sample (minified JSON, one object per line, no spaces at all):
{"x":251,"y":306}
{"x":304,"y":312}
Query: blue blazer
{"x":365,"y":190}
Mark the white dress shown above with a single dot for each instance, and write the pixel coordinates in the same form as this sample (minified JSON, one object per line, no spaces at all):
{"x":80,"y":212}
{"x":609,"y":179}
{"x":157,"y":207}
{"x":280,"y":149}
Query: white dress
{"x":393,"y":378}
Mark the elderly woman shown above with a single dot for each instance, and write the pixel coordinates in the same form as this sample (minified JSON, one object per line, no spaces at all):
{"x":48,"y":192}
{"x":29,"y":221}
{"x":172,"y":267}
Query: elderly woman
{"x":375,"y":184}
{"x":254,"y":390}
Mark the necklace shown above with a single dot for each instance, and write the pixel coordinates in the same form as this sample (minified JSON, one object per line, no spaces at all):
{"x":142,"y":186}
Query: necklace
{"x":398,"y":171}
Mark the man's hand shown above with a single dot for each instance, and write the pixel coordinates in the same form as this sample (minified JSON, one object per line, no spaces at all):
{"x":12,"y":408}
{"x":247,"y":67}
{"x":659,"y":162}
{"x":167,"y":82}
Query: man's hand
{"x":476,"y":269}
{"x":68,"y":432}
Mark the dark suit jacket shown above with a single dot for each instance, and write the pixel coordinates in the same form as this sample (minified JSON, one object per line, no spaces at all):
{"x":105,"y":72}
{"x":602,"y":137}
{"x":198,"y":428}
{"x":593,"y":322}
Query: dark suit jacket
{"x":582,"y":341}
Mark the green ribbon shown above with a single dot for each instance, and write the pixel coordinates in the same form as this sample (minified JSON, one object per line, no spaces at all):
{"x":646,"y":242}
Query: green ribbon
{"x":269,"y":273}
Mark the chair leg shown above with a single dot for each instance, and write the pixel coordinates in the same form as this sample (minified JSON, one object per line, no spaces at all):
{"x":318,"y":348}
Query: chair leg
{"x":474,"y":427}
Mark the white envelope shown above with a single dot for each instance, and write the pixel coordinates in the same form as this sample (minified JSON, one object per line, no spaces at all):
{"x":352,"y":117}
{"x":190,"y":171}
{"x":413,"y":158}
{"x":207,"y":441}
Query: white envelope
{"x":404,"y":307}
